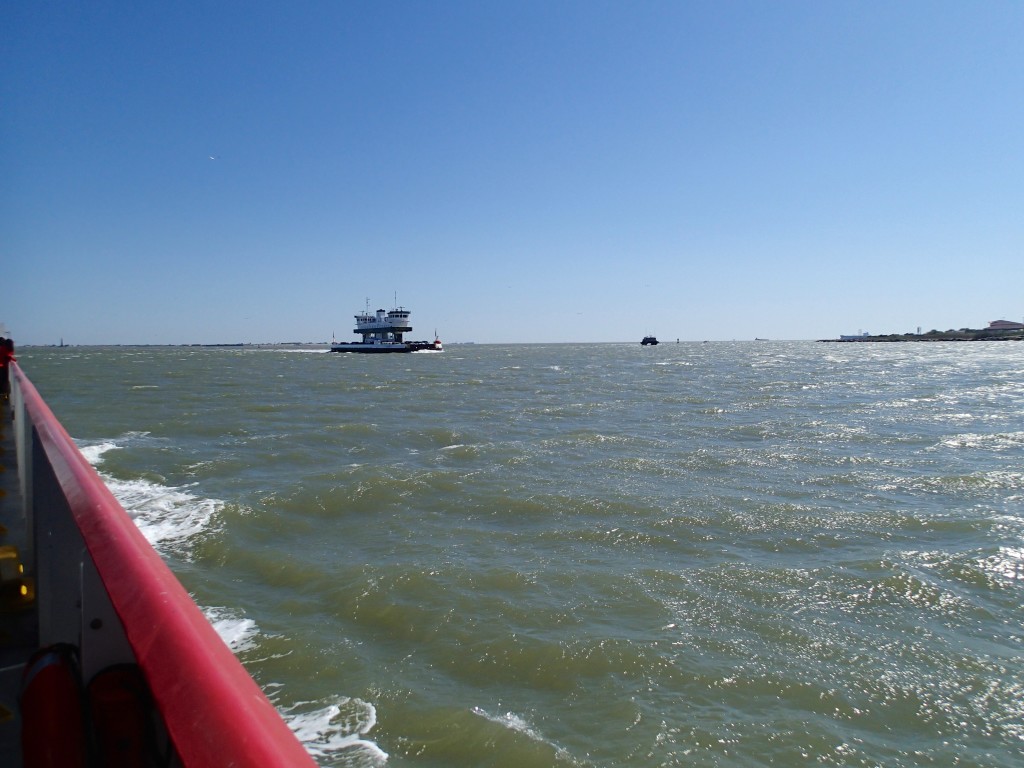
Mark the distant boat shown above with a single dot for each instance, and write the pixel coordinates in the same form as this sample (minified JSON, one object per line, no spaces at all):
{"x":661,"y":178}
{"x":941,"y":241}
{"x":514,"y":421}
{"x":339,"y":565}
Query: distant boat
{"x":649,"y":340}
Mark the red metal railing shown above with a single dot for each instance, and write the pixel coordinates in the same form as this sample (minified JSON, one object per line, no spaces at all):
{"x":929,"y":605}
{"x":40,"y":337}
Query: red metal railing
{"x":213,"y":710}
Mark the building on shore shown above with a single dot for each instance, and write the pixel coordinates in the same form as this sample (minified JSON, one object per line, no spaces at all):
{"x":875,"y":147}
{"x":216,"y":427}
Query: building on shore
{"x":1005,"y":325}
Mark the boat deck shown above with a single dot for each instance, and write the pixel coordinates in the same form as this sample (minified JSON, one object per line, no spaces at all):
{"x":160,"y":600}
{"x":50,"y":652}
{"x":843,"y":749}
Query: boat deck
{"x":18,"y":626}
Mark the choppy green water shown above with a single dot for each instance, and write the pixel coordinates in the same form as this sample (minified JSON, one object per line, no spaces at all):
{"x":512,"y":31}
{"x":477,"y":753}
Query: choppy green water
{"x":715,"y":554}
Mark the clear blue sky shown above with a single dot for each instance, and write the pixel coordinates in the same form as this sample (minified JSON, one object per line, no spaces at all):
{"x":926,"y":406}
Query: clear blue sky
{"x":513,"y":171}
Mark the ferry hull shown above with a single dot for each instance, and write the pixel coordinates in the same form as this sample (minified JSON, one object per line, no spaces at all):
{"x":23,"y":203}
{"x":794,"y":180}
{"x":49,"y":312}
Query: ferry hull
{"x":388,"y":347}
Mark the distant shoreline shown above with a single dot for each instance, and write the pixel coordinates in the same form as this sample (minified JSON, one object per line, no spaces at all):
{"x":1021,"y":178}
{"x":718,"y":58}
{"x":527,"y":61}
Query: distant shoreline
{"x":964,"y":334}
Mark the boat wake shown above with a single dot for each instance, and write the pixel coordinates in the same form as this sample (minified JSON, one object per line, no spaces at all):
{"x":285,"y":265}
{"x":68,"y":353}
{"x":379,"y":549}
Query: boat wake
{"x":167,"y":516}
{"x":332,"y":731}
{"x":239,"y":633}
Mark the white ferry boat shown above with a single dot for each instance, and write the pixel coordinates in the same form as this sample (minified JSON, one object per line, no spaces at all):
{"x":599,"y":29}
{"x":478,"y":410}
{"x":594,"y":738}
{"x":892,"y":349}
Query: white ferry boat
{"x":385,"y":332}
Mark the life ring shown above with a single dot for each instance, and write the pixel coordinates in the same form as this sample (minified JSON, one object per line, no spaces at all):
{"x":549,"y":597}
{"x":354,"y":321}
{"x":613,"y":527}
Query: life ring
{"x":122,"y":709}
{"x":52,"y":716}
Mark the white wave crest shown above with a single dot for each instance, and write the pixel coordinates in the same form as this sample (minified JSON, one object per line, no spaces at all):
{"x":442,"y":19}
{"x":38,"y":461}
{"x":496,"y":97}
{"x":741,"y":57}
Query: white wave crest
{"x":238,"y":632}
{"x":999,"y":441}
{"x":1009,"y":563}
{"x":165,"y":515}
{"x":512,"y":721}
{"x":515,"y":722}
{"x":94,"y":453}
{"x":336,"y":729}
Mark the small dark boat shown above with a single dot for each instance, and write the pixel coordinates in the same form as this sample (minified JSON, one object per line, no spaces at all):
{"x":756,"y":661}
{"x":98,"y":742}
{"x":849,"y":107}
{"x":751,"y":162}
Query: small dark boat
{"x":649,"y":340}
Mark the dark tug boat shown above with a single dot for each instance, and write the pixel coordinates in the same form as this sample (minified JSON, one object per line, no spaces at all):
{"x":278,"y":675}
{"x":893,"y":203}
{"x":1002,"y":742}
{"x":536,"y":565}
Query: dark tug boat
{"x":649,"y":341}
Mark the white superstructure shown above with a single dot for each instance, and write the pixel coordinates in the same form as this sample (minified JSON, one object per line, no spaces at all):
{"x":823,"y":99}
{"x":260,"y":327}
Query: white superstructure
{"x":384,"y":326}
